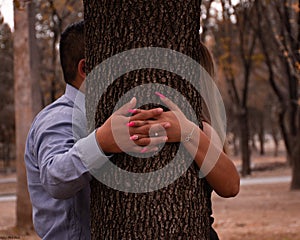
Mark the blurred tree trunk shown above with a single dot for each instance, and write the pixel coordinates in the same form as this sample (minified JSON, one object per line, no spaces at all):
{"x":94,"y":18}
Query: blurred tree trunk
{"x":283,"y":19}
{"x":275,"y":140}
{"x":247,"y":47}
{"x":180,"y":210}
{"x":261,"y":133}
{"x":235,"y":45}
{"x":27,"y":99}
{"x":206,"y":17}
{"x":244,"y":141}
{"x":56,"y":30}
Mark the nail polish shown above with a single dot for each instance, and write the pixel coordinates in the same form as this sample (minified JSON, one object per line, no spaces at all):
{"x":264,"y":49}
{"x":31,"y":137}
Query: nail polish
{"x":133,"y":111}
{"x":134,"y":137}
{"x":144,"y":150}
{"x":160,"y":95}
{"x":130,"y":124}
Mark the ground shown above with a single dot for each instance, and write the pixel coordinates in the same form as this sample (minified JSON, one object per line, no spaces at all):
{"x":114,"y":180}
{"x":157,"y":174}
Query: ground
{"x":261,"y":211}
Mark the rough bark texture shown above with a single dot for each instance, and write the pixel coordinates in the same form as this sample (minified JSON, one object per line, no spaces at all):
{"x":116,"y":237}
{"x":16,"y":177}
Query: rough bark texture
{"x":180,"y":210}
{"x":27,"y":102}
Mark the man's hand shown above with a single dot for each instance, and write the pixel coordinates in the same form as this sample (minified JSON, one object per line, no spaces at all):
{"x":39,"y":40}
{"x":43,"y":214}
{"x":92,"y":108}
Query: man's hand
{"x":120,"y":134}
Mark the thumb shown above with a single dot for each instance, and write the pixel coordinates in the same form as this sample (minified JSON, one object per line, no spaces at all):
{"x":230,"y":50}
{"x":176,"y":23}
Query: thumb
{"x":127,"y":106}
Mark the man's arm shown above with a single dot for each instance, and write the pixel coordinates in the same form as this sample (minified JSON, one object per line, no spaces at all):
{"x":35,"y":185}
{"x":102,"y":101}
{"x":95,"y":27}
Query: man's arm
{"x":65,"y":164}
{"x":62,"y":171}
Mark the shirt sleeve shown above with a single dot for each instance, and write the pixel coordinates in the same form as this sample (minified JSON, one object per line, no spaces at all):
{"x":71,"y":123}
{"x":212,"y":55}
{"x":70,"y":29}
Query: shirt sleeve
{"x":64,"y":162}
{"x":90,"y":153}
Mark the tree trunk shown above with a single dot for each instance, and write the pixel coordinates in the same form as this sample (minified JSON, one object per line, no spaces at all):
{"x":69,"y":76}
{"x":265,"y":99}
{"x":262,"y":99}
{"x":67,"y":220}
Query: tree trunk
{"x":27,"y":102}
{"x":275,"y":140}
{"x":261,"y":134}
{"x":244,"y":142}
{"x":235,"y":145}
{"x":295,"y":156}
{"x":181,"y":209}
{"x":285,"y":133}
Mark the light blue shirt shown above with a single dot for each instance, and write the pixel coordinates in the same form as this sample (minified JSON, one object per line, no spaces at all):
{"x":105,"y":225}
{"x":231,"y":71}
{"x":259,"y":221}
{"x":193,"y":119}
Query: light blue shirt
{"x":58,"y":155}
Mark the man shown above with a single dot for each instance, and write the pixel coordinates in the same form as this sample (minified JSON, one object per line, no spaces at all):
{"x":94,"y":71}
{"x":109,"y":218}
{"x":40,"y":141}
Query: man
{"x":59,"y":153}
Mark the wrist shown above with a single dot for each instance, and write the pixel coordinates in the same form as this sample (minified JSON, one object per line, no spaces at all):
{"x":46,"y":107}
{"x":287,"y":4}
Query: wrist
{"x":188,"y":132}
{"x":102,"y":143}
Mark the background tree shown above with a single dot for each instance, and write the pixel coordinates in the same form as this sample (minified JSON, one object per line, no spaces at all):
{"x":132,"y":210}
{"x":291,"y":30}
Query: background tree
{"x":280,"y":45}
{"x":27,"y":99}
{"x":182,"y":208}
{"x":234,"y":50}
{"x":207,"y":21}
{"x":7,"y":126}
{"x":51,"y":18}
{"x":261,"y":107}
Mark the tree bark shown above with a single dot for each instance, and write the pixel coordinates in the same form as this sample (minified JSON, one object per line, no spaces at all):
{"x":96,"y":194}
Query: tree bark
{"x":182,"y":209}
{"x":27,"y":102}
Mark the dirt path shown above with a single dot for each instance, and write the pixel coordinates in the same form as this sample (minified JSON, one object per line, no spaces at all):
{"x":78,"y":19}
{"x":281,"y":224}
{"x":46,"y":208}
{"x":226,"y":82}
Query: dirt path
{"x":259,"y":212}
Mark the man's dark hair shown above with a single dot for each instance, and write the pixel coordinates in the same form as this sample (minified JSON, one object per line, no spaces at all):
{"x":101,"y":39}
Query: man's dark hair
{"x":71,"y":50}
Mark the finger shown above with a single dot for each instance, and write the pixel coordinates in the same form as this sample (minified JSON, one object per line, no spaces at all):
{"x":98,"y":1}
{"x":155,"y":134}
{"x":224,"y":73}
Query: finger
{"x":172,"y":106}
{"x":147,"y":114}
{"x":151,"y":142}
{"x":134,"y":111}
{"x":135,"y":137}
{"x":150,"y":129}
{"x":126,"y":108}
{"x":137,"y":123}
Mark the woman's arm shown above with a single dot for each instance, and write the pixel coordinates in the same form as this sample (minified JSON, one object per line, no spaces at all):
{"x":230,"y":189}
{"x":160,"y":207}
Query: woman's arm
{"x":204,"y":146}
{"x":217,"y":167}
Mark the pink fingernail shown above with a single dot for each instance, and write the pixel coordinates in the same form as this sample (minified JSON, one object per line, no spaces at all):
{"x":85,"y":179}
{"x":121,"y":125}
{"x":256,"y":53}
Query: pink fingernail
{"x":133,"y":111}
{"x":160,"y":95}
{"x":134,"y":137}
{"x":130,"y":124}
{"x":144,"y":150}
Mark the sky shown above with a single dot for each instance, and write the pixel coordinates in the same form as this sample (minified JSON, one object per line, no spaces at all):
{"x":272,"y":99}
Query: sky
{"x":6,"y":8}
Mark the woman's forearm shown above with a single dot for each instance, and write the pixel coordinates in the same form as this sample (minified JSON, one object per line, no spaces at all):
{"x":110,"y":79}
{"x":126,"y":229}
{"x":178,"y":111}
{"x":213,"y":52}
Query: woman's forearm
{"x":216,"y":166}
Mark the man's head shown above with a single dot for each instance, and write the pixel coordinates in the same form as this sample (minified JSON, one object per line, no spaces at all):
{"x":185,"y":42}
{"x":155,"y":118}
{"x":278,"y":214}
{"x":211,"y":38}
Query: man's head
{"x":71,"y":49}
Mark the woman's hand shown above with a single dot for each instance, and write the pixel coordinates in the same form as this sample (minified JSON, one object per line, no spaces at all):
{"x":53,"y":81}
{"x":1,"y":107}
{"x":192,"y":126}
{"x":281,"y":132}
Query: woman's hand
{"x":219,"y":170}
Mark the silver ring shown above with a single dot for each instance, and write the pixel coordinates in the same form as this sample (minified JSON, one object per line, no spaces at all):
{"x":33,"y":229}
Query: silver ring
{"x":156,"y":134}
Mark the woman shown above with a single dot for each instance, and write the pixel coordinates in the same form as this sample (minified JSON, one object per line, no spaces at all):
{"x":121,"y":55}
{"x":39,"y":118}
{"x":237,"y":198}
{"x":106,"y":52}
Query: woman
{"x":223,"y":177}
{"x":181,"y":209}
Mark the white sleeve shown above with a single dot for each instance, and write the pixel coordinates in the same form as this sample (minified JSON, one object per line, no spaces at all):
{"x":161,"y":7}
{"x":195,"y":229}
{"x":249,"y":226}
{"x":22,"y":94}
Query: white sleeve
{"x":90,"y":153}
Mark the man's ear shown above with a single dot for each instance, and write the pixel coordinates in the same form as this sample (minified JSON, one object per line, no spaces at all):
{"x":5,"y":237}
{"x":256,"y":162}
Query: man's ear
{"x":81,"y":68}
